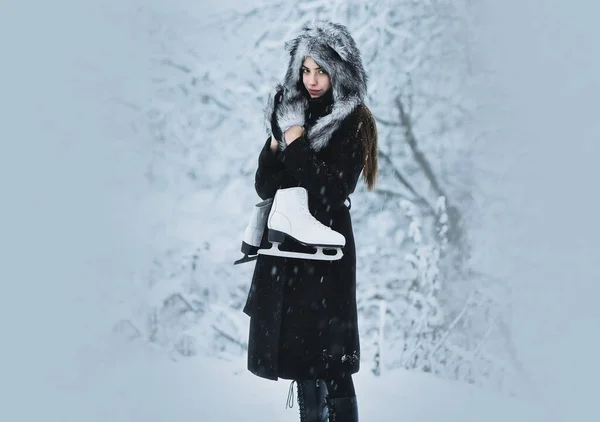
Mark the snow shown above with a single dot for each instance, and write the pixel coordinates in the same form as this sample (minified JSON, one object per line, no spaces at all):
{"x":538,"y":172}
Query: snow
{"x":541,"y":231}
{"x":121,"y":381}
{"x":79,"y":226}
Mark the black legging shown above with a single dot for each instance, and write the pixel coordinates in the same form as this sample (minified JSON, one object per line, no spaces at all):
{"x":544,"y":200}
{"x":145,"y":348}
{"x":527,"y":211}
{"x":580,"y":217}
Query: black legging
{"x":338,"y":388}
{"x":341,"y":387}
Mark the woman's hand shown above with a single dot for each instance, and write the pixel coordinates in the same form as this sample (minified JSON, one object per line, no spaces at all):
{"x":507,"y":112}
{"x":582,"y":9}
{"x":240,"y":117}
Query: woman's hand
{"x":293,"y":133}
{"x":274,"y":144}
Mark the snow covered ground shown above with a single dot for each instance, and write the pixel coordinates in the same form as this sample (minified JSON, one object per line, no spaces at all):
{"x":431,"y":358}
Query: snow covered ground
{"x":130,"y":382}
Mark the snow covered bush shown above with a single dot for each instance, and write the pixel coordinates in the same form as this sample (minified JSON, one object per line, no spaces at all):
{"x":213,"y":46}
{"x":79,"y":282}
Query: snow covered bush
{"x":410,"y":315}
{"x":188,"y":310}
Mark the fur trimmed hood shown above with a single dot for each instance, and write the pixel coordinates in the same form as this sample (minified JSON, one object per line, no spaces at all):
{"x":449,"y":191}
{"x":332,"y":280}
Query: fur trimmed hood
{"x":332,"y":47}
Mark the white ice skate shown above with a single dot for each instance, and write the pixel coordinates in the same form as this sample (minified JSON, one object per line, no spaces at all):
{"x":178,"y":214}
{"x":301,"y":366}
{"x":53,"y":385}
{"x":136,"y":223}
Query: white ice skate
{"x":254,"y":231}
{"x":289,"y":216}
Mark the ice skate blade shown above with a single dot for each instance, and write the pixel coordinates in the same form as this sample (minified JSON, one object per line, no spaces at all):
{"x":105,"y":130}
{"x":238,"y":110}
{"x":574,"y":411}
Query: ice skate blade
{"x":245,"y":258}
{"x":317,"y":256}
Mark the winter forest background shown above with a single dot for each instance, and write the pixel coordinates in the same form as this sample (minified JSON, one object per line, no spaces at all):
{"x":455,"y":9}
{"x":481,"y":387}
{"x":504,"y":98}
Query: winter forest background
{"x":422,"y":306}
{"x":138,"y":126}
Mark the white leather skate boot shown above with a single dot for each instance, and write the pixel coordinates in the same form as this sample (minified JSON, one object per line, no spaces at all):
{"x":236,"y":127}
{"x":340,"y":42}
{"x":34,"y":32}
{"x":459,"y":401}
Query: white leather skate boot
{"x":290,"y":217}
{"x":254,"y":231}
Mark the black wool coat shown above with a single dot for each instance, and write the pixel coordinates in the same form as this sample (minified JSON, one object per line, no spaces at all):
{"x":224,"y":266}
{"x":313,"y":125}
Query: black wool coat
{"x":303,"y":313}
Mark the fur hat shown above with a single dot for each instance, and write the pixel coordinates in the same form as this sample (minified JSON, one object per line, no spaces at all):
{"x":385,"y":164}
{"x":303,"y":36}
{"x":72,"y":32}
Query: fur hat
{"x":332,"y":47}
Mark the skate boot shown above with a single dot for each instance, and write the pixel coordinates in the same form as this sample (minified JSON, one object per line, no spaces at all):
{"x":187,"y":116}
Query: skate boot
{"x":254,"y":231}
{"x":290,"y":218}
{"x":344,"y":409}
{"x":311,"y":400}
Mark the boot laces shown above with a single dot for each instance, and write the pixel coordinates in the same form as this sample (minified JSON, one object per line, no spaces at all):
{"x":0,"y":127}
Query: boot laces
{"x":290,"y":399}
{"x":301,"y":400}
{"x":331,"y":408}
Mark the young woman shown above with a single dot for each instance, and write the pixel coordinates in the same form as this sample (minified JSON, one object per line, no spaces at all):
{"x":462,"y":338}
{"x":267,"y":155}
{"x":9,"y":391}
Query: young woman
{"x":303,"y":324}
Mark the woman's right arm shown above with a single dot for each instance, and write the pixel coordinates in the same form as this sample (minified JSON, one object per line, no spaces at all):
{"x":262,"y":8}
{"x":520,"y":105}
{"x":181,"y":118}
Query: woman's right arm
{"x":271,"y":174}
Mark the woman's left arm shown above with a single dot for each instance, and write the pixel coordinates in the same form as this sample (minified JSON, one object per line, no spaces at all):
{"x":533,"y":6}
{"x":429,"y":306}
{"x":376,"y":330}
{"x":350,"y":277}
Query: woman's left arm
{"x":331,"y":181}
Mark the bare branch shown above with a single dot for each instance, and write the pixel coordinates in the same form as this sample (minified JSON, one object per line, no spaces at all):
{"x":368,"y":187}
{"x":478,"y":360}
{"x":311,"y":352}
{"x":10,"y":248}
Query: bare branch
{"x":398,"y":175}
{"x":387,"y":192}
{"x":386,"y":122}
{"x":417,"y":153}
{"x":228,"y":337}
{"x":452,"y":325}
{"x":170,"y":63}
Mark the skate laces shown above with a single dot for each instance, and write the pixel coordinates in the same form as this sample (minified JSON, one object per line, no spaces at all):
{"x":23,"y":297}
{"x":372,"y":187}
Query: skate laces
{"x":314,"y":221}
{"x":312,"y":218}
{"x":290,"y":399}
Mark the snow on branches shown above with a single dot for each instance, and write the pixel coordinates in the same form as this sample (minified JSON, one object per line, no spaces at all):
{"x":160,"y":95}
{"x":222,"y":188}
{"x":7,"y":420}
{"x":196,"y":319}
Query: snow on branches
{"x":421,"y":306}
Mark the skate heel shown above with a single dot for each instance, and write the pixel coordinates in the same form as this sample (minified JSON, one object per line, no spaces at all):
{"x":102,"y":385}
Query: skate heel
{"x":249,"y":249}
{"x":276,"y":236}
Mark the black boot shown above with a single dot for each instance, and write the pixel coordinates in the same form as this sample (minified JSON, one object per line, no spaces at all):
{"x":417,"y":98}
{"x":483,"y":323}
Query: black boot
{"x":344,"y":409}
{"x":311,"y":401}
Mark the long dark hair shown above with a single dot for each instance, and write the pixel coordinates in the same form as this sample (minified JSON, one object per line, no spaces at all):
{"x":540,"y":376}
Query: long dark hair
{"x":369,"y":137}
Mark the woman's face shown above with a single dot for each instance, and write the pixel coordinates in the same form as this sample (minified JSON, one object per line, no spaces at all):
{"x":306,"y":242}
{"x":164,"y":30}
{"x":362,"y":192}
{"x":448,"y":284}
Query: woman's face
{"x":315,"y":80}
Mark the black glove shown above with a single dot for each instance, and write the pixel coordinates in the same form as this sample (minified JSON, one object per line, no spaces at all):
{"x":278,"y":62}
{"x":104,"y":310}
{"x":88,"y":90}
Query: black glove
{"x":275,"y":129}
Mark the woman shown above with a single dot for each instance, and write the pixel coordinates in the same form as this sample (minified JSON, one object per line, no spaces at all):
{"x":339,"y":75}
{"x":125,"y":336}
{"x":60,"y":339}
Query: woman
{"x":303,"y":312}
